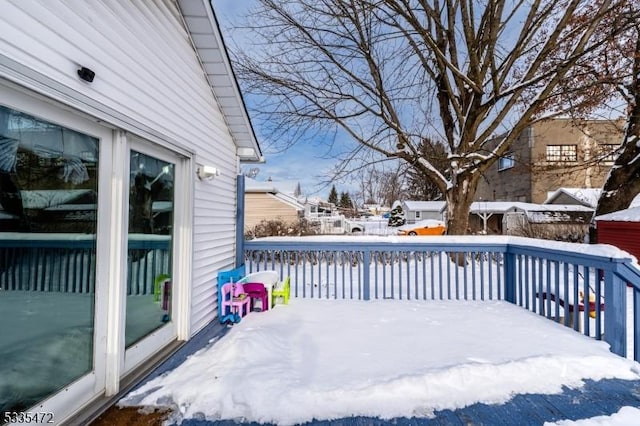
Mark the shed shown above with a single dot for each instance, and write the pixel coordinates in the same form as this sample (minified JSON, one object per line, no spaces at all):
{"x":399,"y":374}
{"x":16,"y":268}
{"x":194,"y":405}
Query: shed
{"x":621,"y":229}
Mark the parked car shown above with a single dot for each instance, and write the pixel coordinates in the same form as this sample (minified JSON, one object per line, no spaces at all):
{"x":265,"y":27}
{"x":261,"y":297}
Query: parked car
{"x":424,"y":227}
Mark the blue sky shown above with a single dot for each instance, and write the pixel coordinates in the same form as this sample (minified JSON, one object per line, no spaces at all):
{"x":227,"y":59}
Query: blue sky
{"x":307,"y":163}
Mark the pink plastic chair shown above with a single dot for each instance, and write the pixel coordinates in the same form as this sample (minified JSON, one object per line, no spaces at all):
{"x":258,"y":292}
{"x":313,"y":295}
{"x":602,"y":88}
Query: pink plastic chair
{"x":235,"y":297}
{"x":257,"y":291}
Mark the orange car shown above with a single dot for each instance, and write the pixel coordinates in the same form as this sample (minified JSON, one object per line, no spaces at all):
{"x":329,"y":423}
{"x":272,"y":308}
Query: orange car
{"x":424,"y":227}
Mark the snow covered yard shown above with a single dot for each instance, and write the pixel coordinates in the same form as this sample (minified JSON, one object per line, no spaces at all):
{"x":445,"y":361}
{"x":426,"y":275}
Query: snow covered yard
{"x":329,"y":359}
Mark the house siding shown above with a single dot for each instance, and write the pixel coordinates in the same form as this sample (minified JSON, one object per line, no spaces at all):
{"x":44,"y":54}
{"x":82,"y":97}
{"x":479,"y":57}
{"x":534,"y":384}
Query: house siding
{"x":157,"y":86}
{"x":264,"y":206}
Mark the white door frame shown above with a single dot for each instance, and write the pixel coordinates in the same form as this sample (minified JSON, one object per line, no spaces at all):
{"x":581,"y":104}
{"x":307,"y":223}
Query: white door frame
{"x":65,"y":402}
{"x":178,"y":327}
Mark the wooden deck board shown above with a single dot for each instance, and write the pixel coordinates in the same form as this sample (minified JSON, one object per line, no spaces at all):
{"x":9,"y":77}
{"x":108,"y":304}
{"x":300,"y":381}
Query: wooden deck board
{"x":595,"y":398}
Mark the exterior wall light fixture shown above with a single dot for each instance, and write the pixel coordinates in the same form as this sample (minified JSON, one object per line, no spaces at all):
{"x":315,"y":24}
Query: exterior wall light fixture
{"x":207,"y":172}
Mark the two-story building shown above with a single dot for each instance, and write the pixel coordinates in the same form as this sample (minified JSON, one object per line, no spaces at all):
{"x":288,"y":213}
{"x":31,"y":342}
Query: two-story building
{"x":552,"y":154}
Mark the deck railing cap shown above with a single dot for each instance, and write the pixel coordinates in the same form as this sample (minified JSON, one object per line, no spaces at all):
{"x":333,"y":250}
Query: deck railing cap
{"x":448,"y":242}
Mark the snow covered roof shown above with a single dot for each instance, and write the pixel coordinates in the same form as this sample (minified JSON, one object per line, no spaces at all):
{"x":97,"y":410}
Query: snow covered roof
{"x":479,"y":207}
{"x":284,"y":187}
{"x":254,"y":186}
{"x":435,"y":206}
{"x":626,"y":215}
{"x":494,"y":206}
{"x":536,"y":213}
{"x":585,"y":196}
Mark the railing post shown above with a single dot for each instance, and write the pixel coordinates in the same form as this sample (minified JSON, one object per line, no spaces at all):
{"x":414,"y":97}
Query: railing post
{"x":509,"y":276}
{"x":239,"y":220}
{"x":615,"y":319}
{"x":366,"y":274}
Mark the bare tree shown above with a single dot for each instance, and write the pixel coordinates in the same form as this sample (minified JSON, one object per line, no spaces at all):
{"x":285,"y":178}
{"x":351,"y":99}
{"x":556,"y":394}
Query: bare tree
{"x":389,"y":73}
{"x":378,"y":184}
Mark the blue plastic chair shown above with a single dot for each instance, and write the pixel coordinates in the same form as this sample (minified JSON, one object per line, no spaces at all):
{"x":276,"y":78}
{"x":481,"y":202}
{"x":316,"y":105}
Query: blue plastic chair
{"x":225,"y":277}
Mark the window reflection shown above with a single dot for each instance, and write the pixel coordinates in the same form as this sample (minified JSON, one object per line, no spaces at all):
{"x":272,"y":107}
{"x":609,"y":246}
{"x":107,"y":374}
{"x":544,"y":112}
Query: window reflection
{"x":48,"y":196}
{"x":151,"y":194}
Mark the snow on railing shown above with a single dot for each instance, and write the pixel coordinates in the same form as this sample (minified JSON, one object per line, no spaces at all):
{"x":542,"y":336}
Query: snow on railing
{"x":573,"y":284}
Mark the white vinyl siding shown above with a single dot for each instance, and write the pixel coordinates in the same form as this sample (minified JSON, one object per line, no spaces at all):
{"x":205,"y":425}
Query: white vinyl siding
{"x":155,"y":88}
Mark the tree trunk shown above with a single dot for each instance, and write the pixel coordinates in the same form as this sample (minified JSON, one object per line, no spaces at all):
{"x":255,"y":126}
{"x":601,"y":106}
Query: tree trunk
{"x":459,"y":198}
{"x":623,"y":182}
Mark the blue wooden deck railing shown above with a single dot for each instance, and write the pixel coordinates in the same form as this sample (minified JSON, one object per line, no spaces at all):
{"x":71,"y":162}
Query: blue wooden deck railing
{"x":551,"y":281}
{"x":66,"y":262}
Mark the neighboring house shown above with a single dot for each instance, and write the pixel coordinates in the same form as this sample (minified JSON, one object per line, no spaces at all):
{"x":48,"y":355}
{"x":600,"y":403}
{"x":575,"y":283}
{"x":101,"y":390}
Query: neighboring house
{"x":315,"y":207}
{"x":263,"y":201}
{"x":122,"y":130}
{"x":374,"y":209}
{"x":552,"y":154}
{"x":621,"y":229}
{"x":415,"y":211}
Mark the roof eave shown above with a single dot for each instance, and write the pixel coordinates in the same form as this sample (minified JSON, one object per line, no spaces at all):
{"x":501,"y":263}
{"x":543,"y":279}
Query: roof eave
{"x":204,"y":32}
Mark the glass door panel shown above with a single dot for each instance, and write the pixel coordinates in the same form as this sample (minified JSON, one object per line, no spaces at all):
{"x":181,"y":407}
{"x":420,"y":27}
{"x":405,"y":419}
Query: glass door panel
{"x":48,"y":222}
{"x":150,"y":242}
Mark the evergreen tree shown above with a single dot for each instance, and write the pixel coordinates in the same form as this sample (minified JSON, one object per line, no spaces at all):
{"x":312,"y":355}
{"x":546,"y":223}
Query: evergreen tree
{"x":419,"y":185}
{"x":298,"y":191}
{"x":333,"y":196}
{"x":345,"y":201}
{"x":396,"y":217}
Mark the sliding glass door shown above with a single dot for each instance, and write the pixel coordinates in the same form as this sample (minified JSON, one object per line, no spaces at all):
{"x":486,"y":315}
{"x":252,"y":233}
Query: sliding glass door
{"x":50,"y":164}
{"x":95,"y":254}
{"x":149,"y":294}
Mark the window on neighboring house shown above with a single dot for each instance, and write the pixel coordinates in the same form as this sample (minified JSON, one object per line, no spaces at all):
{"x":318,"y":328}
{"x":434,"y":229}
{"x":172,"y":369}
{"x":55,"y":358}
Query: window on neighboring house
{"x":608,"y":153}
{"x":418,"y":215}
{"x":562,"y":153}
{"x":506,"y":162}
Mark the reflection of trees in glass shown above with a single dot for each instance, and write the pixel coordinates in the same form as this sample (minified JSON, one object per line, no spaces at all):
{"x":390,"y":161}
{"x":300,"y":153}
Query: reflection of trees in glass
{"x":151,"y":195}
{"x":48,"y":176}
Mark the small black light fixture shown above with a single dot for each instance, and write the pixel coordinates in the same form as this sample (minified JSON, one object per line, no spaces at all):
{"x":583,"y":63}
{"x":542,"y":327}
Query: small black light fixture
{"x":86,"y":74}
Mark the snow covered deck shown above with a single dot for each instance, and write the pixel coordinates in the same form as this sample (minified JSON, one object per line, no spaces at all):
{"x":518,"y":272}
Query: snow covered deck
{"x":514,"y":269}
{"x":445,"y":330}
{"x":394,"y":362}
{"x":425,"y":327}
